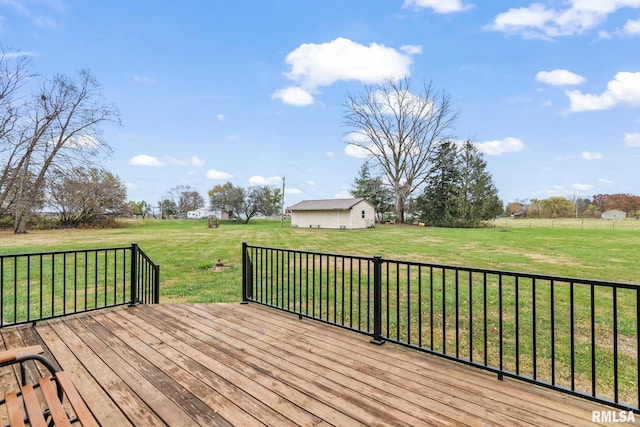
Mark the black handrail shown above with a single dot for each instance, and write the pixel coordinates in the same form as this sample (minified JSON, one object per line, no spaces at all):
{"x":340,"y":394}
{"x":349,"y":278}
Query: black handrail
{"x":44,"y":285}
{"x":579,"y":336}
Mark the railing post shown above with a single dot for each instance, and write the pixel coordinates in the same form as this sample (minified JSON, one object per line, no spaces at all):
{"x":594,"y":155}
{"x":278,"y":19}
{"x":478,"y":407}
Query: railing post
{"x":156,"y":285}
{"x":134,"y":275}
{"x":245,"y":275}
{"x":377,"y":300}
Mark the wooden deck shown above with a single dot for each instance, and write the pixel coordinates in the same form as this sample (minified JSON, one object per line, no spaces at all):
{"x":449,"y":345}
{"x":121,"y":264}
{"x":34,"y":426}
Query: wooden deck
{"x":233,"y":364}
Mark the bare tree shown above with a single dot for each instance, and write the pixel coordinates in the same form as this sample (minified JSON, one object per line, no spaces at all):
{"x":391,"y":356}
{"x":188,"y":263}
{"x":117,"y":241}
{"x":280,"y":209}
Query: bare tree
{"x":186,"y":198}
{"x":399,"y":132}
{"x":57,"y":129}
{"x":86,"y":196}
{"x":13,"y":77}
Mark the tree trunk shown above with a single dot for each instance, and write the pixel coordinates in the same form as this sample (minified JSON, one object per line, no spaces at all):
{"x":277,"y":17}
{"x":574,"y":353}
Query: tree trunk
{"x":399,"y":210}
{"x":20,"y":226}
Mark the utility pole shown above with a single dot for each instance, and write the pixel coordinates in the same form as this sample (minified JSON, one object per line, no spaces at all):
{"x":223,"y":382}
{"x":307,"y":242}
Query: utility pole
{"x":282,"y":209}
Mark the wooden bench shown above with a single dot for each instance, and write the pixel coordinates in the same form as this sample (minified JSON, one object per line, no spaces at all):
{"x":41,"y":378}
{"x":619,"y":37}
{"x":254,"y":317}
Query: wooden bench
{"x":43,"y":403}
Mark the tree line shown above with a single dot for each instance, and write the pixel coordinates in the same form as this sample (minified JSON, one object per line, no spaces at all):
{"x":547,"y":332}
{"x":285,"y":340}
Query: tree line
{"x":575,"y":207}
{"x":239,"y":203}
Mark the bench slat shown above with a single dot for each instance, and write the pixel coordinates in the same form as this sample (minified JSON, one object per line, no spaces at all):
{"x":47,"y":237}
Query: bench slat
{"x":16,"y":417}
{"x":57,"y":411}
{"x":82,"y":412}
{"x":34,"y":412}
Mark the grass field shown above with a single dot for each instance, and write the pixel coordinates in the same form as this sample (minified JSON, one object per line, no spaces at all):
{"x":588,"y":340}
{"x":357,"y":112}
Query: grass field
{"x":186,"y":249}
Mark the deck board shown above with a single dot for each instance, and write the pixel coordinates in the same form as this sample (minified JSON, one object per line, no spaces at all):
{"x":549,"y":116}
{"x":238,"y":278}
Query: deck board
{"x":249,"y":365}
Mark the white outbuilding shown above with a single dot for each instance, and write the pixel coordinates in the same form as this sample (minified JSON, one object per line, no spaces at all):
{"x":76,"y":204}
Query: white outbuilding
{"x":203,"y":213}
{"x":333,"y":213}
{"x":614,"y":214}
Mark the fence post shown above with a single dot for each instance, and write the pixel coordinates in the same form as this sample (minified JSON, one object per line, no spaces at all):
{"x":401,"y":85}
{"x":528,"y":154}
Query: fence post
{"x":134,"y":275}
{"x":156,"y":285}
{"x":245,"y":278}
{"x":377,"y":300}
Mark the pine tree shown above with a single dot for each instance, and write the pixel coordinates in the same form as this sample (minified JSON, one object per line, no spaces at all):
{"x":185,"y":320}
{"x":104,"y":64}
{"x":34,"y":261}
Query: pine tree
{"x":438,"y":203}
{"x":460,"y":191}
{"x":372,"y":189}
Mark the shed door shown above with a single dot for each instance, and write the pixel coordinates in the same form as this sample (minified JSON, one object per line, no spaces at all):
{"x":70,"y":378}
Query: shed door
{"x":336,"y":219}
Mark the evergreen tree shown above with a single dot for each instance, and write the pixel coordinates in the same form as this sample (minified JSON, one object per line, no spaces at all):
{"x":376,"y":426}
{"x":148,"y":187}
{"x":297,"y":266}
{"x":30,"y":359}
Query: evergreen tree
{"x":460,"y":191}
{"x":374,"y":190}
{"x":438,"y":203}
{"x":478,"y":199}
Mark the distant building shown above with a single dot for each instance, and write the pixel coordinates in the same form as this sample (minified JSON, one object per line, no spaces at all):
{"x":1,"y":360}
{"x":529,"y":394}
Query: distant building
{"x":203,"y":213}
{"x":333,"y":213}
{"x":614,"y":214}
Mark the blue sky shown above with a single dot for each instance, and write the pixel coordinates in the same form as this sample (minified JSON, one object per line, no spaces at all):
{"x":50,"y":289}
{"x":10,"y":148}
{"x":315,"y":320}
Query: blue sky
{"x":253,"y":91}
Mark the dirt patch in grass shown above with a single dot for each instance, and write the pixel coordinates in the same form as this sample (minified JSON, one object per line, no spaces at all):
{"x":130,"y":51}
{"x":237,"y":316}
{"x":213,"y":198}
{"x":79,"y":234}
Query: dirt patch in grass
{"x":552,"y":259}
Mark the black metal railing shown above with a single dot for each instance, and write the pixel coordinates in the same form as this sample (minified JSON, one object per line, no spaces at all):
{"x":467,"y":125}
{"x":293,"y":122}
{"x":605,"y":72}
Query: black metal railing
{"x":45,"y":285}
{"x":578,"y":336}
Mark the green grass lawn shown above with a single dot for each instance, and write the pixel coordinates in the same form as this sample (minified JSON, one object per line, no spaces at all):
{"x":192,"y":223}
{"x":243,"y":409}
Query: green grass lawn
{"x":187,"y":249}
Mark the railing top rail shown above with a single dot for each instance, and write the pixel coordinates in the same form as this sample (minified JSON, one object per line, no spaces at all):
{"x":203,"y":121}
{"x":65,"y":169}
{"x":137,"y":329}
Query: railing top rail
{"x":70,"y":251}
{"x":555,"y":278}
{"x":146,"y":257}
{"x":536,"y":276}
{"x":361,"y":257}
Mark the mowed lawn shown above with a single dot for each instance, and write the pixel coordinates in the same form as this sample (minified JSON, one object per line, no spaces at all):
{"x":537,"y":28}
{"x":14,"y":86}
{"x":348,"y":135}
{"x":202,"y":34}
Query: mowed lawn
{"x":187,"y":249}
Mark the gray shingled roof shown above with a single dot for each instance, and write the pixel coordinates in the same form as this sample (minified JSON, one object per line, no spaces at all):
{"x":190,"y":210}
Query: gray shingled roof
{"x":325,"y":205}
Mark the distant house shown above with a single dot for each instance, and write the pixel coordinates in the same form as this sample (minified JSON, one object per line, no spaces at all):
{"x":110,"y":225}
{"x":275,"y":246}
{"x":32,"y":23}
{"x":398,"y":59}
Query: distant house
{"x":614,"y":214}
{"x":203,"y":213}
{"x":333,"y":213}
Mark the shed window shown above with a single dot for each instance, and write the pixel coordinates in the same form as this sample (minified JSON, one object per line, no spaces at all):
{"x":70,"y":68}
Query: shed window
{"x":363,"y":214}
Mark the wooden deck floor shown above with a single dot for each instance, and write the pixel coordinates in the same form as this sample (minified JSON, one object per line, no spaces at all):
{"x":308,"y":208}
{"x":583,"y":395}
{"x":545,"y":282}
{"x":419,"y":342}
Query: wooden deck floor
{"x":232,"y":364}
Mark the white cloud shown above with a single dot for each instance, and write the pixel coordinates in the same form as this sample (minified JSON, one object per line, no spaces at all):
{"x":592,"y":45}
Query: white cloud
{"x":292,"y":190}
{"x":623,"y":89}
{"x":196,"y":161}
{"x":193,"y":161}
{"x":293,"y":96}
{"x":438,"y":6}
{"x":604,"y":181}
{"x":144,"y":79}
{"x":145,"y":160}
{"x":632,"y":139}
{"x":19,"y":54}
{"x":82,"y":141}
{"x":411,"y":49}
{"x":559,"y":78}
{"x":261,"y":180}
{"x":588,"y":155}
{"x":582,"y":187}
{"x":632,"y":28}
{"x":316,"y":65}
{"x":344,"y":194}
{"x":540,"y":21}
{"x":329,"y":154}
{"x":498,"y":147}
{"x":220,"y":117}
{"x":38,"y":12}
{"x":214,"y":174}
{"x":175,"y":161}
{"x":357,"y":152}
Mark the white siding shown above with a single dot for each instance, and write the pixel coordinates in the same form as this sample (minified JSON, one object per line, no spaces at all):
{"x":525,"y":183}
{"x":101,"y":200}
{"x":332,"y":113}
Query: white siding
{"x":361,"y":215}
{"x":614,"y":214}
